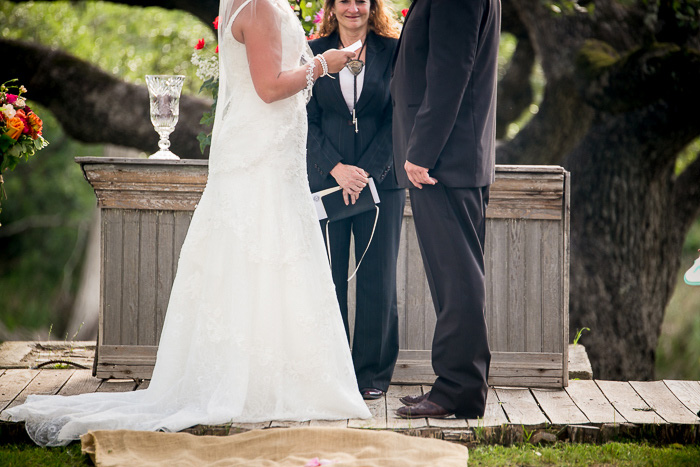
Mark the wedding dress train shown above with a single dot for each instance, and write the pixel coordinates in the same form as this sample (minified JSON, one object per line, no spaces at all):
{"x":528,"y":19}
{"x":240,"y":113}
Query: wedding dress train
{"x":253,"y":331}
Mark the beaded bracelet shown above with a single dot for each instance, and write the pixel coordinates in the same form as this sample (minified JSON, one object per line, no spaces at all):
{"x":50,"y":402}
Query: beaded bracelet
{"x":324,"y":65}
{"x":310,"y":75}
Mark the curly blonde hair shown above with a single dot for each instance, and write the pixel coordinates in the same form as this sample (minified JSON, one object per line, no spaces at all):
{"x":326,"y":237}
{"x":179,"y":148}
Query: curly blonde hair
{"x":381,"y":20}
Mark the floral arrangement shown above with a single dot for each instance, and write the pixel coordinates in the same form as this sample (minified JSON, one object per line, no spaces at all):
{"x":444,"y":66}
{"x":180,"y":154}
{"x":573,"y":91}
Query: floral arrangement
{"x":20,"y":129}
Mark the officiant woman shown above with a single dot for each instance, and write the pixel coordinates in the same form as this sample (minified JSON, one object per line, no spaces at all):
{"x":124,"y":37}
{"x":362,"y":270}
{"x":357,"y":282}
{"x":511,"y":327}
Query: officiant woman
{"x":349,"y":141}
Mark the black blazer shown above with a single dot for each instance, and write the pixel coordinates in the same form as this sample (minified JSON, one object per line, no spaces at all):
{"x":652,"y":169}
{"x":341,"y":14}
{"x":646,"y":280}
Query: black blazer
{"x":332,"y":136}
{"x":444,"y":91}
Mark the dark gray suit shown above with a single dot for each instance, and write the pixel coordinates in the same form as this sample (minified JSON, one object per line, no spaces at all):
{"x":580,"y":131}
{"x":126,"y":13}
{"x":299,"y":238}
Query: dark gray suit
{"x":332,"y":139}
{"x":444,"y":91}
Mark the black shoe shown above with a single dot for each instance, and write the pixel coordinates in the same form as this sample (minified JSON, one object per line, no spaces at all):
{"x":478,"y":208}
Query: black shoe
{"x":424,"y":409}
{"x":371,"y":393}
{"x":413,"y":400}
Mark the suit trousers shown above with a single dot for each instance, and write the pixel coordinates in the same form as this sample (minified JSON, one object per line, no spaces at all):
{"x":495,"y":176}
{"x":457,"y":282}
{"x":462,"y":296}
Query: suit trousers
{"x":375,"y":343}
{"x":451,"y":228}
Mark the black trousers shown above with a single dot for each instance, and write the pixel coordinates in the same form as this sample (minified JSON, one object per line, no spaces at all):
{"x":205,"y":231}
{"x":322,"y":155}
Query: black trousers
{"x":375,"y":345}
{"x":451,"y":228}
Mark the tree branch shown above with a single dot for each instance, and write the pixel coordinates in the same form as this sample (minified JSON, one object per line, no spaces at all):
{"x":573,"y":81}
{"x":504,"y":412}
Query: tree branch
{"x":93,"y":106}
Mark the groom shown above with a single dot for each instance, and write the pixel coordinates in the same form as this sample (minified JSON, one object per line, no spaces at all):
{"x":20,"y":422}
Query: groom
{"x":444,"y":91}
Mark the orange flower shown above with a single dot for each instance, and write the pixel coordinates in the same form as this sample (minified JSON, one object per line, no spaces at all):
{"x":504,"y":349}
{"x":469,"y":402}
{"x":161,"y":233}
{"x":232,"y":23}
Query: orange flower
{"x":15,"y":126}
{"x":35,"y":125}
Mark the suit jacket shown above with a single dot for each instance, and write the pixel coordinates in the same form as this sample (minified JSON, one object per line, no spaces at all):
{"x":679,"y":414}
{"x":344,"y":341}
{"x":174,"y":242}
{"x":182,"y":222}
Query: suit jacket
{"x":444,"y":90}
{"x":332,"y":136}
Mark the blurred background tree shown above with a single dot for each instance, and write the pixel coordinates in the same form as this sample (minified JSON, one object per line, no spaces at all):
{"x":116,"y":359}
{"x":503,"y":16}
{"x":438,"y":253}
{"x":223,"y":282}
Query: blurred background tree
{"x":606,"y":88}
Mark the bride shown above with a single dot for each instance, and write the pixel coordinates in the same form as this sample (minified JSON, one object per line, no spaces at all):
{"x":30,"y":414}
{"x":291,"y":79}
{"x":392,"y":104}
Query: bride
{"x":253,"y":331}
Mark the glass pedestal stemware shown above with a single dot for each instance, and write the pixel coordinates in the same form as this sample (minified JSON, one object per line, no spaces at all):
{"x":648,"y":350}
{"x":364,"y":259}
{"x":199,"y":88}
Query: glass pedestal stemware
{"x":164,"y":92}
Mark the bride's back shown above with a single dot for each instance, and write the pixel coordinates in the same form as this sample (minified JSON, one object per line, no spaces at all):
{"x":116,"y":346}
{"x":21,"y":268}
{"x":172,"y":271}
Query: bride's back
{"x":247,"y":131}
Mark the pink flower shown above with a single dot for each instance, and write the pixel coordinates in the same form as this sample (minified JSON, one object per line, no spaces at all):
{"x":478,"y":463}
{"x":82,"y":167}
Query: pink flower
{"x":216,"y":23}
{"x":318,"y":17}
{"x":11,"y":98}
{"x":404,"y":11}
{"x":200,"y":45}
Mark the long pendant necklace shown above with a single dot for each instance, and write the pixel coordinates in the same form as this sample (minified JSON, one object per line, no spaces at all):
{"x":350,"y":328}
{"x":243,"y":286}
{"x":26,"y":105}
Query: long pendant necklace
{"x":355,"y":66}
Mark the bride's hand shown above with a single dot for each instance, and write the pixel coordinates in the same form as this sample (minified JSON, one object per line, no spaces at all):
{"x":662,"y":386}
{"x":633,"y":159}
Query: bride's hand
{"x":337,"y":59}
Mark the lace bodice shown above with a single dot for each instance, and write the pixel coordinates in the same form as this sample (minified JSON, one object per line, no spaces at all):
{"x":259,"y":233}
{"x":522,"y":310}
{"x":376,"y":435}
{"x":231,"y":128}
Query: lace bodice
{"x":248,"y":132}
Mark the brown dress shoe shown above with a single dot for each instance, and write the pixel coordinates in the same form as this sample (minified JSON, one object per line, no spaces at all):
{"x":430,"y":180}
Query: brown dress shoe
{"x":369,"y":394}
{"x":413,"y":400}
{"x":423,"y":409}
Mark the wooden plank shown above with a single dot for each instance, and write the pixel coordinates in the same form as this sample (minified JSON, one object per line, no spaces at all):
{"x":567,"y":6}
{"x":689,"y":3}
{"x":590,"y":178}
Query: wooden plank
{"x":533,"y":287}
{"x":47,"y":382}
{"x":498,"y":332}
{"x":80,"y":382}
{"x":181,"y":225}
{"x":148,"y":243}
{"x":130,"y":278}
{"x":657,"y":395}
{"x":377,"y":408}
{"x":628,"y":403}
{"x":520,"y":406}
{"x":12,"y":383}
{"x":493,"y":414}
{"x":116,"y":385}
{"x":430,"y":317}
{"x":489,"y":281}
{"x":566,"y":254}
{"x":531,"y":381}
{"x":415,"y":296}
{"x":288,"y":424}
{"x":393,"y":421}
{"x":559,"y":407}
{"x":516,"y":286}
{"x":402,"y":279}
{"x":111,"y":287}
{"x":688,"y":392}
{"x":166,"y":256}
{"x":552,"y":301}
{"x":329,"y":423}
{"x":592,"y":402}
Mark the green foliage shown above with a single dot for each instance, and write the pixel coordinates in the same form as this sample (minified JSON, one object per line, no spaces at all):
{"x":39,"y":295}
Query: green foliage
{"x":678,"y":350}
{"x":579,"y":332}
{"x":687,"y":156}
{"x":130,"y":42}
{"x":45,"y":220}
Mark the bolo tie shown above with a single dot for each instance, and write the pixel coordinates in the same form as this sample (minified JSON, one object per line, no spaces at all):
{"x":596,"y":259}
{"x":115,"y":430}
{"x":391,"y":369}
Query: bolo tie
{"x":355,"y":66}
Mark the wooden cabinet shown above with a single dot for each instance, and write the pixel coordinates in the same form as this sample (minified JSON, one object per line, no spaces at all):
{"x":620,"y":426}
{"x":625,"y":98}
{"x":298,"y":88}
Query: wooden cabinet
{"x":146,"y":206}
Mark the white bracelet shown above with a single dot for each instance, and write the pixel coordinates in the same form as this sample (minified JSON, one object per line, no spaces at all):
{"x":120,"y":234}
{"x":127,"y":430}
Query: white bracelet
{"x":324,"y":65}
{"x":310,"y":75}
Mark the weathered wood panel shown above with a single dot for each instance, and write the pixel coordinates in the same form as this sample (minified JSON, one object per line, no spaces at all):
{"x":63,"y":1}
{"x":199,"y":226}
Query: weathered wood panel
{"x":657,"y":395}
{"x":146,"y":210}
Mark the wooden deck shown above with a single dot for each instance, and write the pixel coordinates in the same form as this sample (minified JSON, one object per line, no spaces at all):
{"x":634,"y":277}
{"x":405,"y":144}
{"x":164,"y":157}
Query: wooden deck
{"x":585,"y":411}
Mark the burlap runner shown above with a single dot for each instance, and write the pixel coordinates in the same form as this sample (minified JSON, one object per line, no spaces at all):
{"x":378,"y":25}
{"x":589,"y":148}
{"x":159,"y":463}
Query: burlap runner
{"x":296,"y":447}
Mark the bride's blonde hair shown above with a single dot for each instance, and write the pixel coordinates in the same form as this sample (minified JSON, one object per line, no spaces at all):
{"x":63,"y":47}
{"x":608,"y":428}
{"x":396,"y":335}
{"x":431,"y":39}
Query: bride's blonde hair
{"x":381,"y":19}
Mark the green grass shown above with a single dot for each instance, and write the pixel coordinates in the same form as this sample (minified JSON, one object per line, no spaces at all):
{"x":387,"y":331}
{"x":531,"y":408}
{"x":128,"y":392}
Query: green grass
{"x":611,"y":454}
{"x":29,"y":455}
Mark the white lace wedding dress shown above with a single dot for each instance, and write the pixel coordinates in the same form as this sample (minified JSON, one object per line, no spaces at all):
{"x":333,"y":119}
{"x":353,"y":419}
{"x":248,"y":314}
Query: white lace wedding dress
{"x":253,"y":331}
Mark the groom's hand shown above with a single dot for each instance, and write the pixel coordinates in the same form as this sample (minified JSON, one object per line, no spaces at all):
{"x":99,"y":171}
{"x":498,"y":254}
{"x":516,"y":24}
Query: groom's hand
{"x":418,"y":175}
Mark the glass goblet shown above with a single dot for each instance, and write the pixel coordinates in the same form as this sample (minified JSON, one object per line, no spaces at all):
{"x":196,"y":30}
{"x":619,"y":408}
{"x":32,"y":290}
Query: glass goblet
{"x":164,"y":92}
